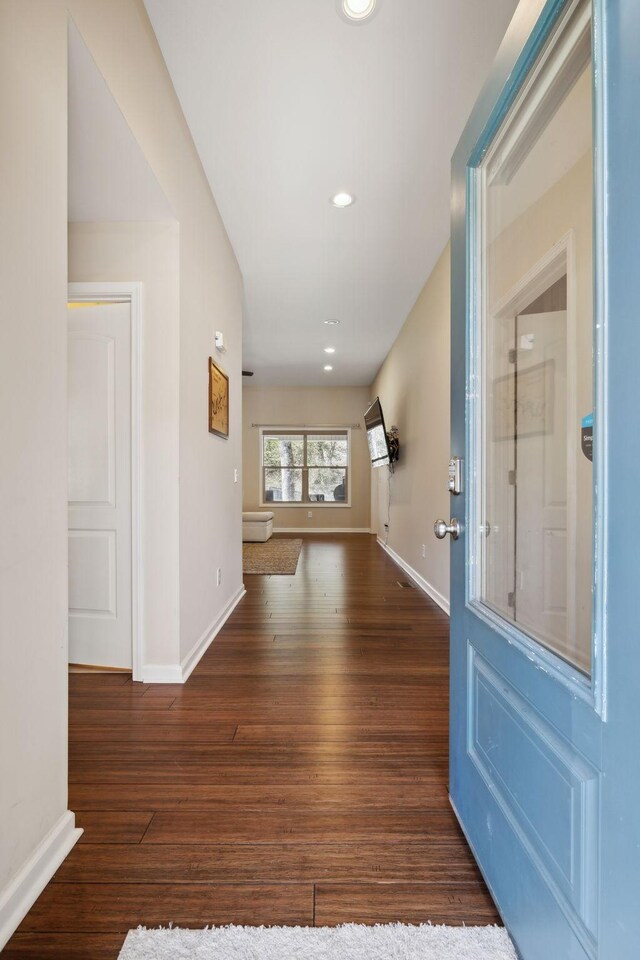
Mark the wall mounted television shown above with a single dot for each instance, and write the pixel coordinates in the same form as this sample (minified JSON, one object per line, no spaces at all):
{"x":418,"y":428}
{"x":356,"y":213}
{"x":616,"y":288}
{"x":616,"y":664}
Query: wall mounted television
{"x":382,"y":449}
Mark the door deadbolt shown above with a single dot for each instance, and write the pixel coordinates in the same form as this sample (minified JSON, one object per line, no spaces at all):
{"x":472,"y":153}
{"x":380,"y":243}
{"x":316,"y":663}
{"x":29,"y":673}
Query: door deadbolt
{"x":455,"y":476}
{"x":441,"y":528}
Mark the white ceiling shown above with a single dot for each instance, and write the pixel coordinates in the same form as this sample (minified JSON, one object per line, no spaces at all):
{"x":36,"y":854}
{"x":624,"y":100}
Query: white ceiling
{"x":109,"y":177}
{"x":287,"y":105}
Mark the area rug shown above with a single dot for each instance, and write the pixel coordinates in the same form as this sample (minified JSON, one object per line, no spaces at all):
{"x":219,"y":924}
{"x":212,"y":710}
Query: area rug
{"x":349,"y":942}
{"x":275,"y":557}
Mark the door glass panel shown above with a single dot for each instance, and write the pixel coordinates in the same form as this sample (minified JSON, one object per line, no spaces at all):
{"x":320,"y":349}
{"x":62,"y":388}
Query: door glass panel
{"x":535,"y":344}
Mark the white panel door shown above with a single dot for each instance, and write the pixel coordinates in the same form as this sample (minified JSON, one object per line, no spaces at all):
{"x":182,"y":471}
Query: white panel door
{"x":99,"y":398}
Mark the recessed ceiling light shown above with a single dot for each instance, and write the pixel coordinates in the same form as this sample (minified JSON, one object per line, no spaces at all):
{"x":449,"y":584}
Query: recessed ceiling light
{"x":356,"y":10}
{"x":329,"y":349}
{"x":332,"y":323}
{"x":342,"y":199}
{"x":328,"y":367}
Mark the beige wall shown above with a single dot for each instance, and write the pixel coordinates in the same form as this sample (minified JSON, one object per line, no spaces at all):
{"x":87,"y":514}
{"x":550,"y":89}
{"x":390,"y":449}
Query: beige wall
{"x":210,"y":501}
{"x":126,"y":52}
{"x":33,"y":475}
{"x":413,"y":386}
{"x":33,"y":260}
{"x":281,"y":406}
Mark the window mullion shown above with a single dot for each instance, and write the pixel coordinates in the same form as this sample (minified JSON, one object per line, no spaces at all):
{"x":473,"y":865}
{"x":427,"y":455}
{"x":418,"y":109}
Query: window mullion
{"x":305,"y":470}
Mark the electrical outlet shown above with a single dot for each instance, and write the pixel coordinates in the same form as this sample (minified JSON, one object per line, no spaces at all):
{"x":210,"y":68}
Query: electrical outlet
{"x":235,"y":475}
{"x":219,"y":576}
{"x":424,"y":551}
{"x":309,"y":514}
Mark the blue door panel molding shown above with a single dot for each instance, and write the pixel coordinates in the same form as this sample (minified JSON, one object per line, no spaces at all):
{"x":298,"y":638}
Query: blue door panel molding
{"x":547,"y":791}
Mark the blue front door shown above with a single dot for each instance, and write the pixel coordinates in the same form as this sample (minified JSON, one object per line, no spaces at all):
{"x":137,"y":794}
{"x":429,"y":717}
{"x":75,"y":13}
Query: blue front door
{"x":545,"y":588}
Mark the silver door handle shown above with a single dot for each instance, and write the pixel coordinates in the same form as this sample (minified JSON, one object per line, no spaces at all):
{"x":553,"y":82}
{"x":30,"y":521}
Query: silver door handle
{"x":441,"y":528}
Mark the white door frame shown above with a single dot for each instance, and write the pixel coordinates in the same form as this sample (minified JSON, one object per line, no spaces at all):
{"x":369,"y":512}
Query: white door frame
{"x":131,"y":292}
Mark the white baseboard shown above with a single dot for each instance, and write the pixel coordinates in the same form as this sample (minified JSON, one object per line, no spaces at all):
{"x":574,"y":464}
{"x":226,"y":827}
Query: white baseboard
{"x":180,"y":672}
{"x":321,"y":530}
{"x":424,"y":585}
{"x":24,"y":890}
{"x":162,"y":673}
{"x":200,"y":646}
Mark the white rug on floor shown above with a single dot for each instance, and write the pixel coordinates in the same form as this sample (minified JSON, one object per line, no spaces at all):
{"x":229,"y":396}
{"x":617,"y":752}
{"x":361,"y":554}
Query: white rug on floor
{"x":349,"y":942}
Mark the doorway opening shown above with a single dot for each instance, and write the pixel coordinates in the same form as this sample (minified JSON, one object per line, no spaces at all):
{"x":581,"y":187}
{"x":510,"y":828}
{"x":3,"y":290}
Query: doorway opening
{"x":104,"y":430}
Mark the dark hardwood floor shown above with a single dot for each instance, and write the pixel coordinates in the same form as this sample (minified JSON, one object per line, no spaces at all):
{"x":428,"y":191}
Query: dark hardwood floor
{"x":299,"y":777}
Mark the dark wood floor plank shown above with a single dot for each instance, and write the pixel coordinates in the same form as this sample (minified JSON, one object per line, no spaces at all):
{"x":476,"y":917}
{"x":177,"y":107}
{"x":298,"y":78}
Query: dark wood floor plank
{"x":396,"y":861}
{"x":370,"y":903}
{"x":64,"y":946}
{"x":371,"y":772}
{"x":109,"y":826}
{"x":357,"y":666}
{"x":146,"y":732}
{"x":302,"y":767}
{"x":111,"y":700}
{"x":328,"y":733}
{"x":310,"y":711}
{"x":123,"y":716}
{"x":297,"y":688}
{"x":268,"y":754}
{"x":181,"y":731}
{"x":117,"y":908}
{"x":181,"y":826}
{"x":93,"y":681}
{"x":257,"y":796}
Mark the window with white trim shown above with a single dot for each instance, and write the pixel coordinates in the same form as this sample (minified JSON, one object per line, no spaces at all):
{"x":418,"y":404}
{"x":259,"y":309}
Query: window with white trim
{"x":305,"y":466}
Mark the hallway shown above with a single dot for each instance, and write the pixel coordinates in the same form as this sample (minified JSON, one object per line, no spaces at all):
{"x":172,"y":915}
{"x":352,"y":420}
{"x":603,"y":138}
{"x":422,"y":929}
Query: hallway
{"x":299,"y":777}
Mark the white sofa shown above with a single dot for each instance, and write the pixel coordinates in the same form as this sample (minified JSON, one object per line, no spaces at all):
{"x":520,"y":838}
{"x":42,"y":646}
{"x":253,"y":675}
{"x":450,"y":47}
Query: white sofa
{"x":257,"y":527}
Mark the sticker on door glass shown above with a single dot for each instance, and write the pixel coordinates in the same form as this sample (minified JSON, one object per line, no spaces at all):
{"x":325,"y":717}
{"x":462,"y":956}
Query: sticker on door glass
{"x":587,"y":436}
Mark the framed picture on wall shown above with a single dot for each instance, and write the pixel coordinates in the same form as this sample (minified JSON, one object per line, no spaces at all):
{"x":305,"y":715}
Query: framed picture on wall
{"x":218,"y":400}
